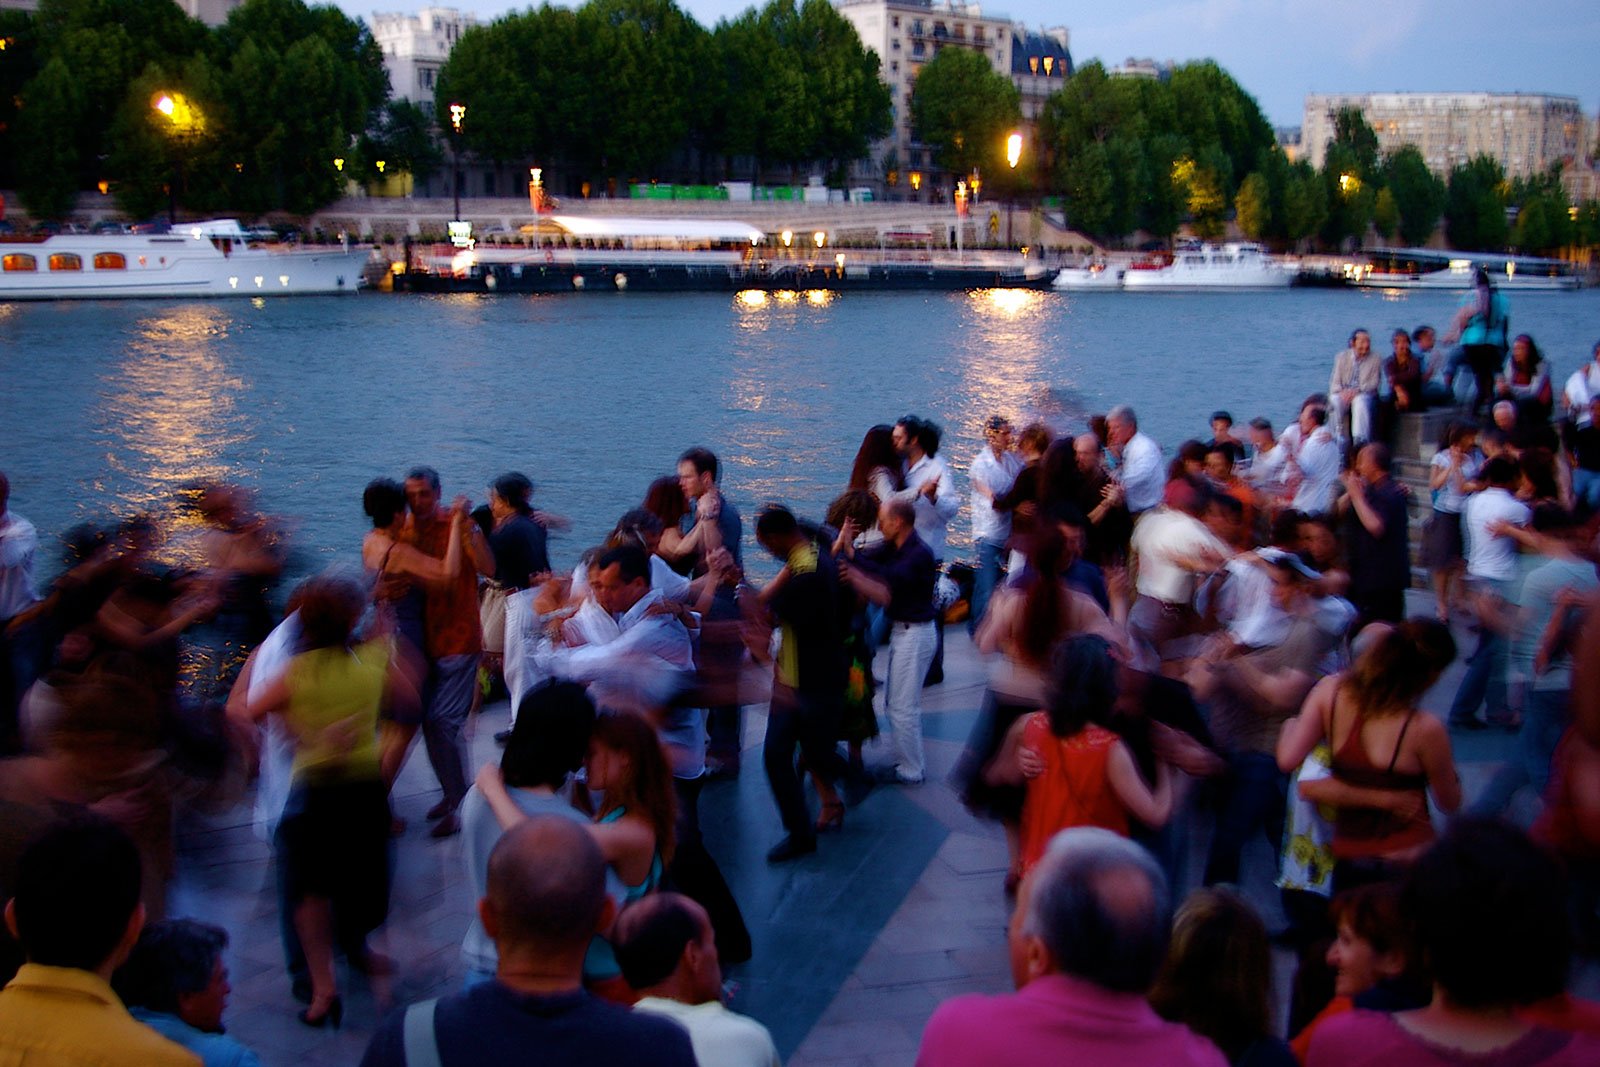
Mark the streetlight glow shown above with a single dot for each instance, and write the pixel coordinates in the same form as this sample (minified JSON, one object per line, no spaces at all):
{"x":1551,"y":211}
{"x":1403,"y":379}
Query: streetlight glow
{"x":338,"y":163}
{"x":165,"y":105}
{"x":458,"y":112}
{"x":820,"y":238}
{"x":788,"y":236}
{"x":1013,"y":149}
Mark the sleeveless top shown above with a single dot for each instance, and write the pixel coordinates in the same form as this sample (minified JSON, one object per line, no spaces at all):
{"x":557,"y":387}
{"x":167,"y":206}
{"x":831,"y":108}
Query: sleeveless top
{"x":600,"y":962}
{"x":1371,"y":832}
{"x":1074,"y":789}
{"x":406,"y":610}
{"x":328,"y":686}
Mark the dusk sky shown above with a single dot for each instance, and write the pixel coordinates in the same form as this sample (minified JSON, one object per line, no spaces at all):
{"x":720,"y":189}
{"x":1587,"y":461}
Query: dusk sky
{"x":1279,"y":50}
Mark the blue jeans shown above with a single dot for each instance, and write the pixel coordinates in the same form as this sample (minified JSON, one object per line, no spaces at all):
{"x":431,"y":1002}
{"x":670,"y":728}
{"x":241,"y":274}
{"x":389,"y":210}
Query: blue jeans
{"x":1544,"y":721}
{"x":991,"y":554}
{"x":1586,"y":487}
{"x":1254,"y":794}
{"x":1485,"y":681}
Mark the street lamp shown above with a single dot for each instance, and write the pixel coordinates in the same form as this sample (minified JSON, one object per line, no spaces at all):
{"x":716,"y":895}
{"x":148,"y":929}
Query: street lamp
{"x":1013,"y":155}
{"x":184,"y":122}
{"x":458,"y":112}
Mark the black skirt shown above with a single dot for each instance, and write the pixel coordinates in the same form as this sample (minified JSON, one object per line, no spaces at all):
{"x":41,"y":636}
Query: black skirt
{"x":1003,"y":802}
{"x":334,"y":840}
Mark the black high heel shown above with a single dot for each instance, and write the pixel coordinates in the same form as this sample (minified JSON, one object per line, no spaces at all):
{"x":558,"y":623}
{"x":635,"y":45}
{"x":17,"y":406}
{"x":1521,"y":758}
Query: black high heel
{"x":334,"y":1016}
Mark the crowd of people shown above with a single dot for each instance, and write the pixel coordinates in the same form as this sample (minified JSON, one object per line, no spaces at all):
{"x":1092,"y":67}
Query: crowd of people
{"x":1214,"y":648}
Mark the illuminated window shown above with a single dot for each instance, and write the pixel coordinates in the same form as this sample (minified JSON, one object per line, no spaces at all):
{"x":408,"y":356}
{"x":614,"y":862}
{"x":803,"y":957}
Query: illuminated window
{"x":1033,"y":64}
{"x":110,"y":261}
{"x":66,"y":261}
{"x":1049,"y":64}
{"x":19,"y":261}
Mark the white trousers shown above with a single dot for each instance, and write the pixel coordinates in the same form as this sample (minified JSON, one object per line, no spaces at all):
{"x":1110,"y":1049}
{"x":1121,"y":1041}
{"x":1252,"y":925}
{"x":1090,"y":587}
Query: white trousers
{"x":522,"y":666}
{"x":911,"y":646}
{"x":1361,"y":412}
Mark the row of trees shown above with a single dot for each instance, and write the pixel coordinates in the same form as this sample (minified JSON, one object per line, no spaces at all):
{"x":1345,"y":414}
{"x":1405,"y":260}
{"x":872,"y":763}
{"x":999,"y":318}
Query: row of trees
{"x":266,"y":103}
{"x":625,"y":88}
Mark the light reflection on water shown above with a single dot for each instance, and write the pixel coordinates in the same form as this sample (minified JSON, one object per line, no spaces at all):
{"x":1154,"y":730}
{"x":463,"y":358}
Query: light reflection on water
{"x":114,"y":407}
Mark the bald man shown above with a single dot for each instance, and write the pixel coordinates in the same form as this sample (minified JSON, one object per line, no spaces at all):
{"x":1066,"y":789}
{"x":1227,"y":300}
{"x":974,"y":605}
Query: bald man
{"x":546,"y":898}
{"x":668,"y":955}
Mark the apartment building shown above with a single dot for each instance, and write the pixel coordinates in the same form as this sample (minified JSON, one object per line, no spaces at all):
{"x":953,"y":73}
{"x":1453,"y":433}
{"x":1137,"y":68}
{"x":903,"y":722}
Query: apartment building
{"x":1525,"y":132}
{"x":416,"y":46}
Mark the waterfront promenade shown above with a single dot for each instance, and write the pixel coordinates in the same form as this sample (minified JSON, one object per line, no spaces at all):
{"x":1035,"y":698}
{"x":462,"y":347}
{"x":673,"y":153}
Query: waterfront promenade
{"x":854,"y":945}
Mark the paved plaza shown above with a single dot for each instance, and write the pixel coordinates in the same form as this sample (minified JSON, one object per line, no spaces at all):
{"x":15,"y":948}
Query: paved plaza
{"x":854,"y":945}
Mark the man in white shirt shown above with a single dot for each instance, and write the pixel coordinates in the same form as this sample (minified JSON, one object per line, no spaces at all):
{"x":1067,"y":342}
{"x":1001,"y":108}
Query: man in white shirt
{"x":1316,"y":463}
{"x":1268,"y":468}
{"x":1353,"y":388}
{"x":668,"y":955}
{"x":19,"y":541}
{"x":1139,"y":469}
{"x":1582,"y":387}
{"x":1491,"y":574}
{"x":932,"y":492}
{"x":1172,"y":547}
{"x":994,"y":469}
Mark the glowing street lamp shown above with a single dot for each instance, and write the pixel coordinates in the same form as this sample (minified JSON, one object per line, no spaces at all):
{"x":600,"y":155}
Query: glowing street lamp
{"x":1013,"y":156}
{"x":338,"y":164}
{"x":185,"y":122}
{"x":820,"y":238}
{"x":458,"y":115}
{"x":1349,"y":183}
{"x":381,"y":164}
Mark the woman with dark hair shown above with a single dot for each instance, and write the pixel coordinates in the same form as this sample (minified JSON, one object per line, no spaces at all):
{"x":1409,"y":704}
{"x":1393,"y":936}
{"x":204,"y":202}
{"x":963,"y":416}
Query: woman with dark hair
{"x":1372,"y":960}
{"x":1026,"y":619}
{"x":1525,"y":381}
{"x":1480,"y":326}
{"x":1404,"y":372}
{"x":1217,"y":979}
{"x":1488,"y":910}
{"x":665,"y":500}
{"x":1388,"y":754}
{"x":877,"y":467}
{"x":1453,"y":475}
{"x":1076,"y":773}
{"x":401,"y":574}
{"x":858,"y":723}
{"x":548,"y":742}
{"x":335,"y":829}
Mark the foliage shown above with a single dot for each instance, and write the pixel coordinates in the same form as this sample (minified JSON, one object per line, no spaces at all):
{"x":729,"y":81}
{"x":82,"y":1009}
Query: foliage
{"x":1253,"y":207}
{"x":1419,"y":195}
{"x":1475,"y":206}
{"x":1386,"y":214}
{"x":1305,"y":202}
{"x":1131,"y":153}
{"x":19,"y":63}
{"x":401,"y":137}
{"x":965,"y":110}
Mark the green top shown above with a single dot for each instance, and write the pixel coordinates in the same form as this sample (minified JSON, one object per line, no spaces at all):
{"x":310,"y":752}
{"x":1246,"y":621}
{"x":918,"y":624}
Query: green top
{"x":328,"y":686}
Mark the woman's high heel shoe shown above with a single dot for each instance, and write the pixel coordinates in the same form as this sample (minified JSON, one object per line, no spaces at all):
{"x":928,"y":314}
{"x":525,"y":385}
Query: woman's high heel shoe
{"x":832,"y":817}
{"x":333,"y":1016}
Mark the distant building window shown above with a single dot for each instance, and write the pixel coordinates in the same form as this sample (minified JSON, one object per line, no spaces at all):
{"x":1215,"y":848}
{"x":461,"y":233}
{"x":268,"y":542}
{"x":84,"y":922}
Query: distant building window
{"x":894,"y":45}
{"x":110,"y":261}
{"x":1033,"y":64}
{"x":894,"y":66}
{"x":918,"y":50}
{"x":916,"y":28}
{"x":895,"y":22}
{"x":66,"y":261}
{"x":19,"y":261}
{"x":1049,"y":64}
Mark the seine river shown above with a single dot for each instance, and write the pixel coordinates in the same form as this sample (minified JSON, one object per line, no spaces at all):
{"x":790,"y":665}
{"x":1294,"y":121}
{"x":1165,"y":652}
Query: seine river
{"x":111,"y":408}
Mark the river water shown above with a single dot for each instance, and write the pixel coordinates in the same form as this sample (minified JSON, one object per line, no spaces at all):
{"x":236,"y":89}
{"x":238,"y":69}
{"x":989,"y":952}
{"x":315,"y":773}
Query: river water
{"x":111,"y":408}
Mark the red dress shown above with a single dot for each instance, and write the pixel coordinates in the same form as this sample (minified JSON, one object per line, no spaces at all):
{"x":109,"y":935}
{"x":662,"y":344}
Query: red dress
{"x":1074,"y":789}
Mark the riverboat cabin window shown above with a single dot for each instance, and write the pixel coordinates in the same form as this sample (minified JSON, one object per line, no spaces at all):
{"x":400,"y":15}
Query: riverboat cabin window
{"x":66,"y":261}
{"x":19,"y":261}
{"x":110,"y":261}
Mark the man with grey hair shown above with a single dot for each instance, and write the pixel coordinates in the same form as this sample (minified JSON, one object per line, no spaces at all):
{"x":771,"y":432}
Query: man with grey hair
{"x":1139,"y":472}
{"x":1089,"y":933}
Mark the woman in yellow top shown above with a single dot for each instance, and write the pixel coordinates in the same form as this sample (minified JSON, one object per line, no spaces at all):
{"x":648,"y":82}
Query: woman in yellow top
{"x":334,"y":835}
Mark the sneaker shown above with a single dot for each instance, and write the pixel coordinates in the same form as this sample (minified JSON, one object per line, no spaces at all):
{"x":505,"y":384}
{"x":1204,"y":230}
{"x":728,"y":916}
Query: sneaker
{"x":791,"y":847}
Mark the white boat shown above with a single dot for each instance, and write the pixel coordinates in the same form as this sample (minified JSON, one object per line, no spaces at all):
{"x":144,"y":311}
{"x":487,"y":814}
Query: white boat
{"x":200,"y":259}
{"x":1092,"y":277}
{"x":1422,"y":268}
{"x":1236,"y":265}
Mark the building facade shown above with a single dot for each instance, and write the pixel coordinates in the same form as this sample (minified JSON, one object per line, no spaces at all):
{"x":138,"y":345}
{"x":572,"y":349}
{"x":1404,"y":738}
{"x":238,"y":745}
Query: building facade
{"x":1526,"y":133}
{"x":906,"y":35}
{"x":210,"y":12}
{"x":415,"y":48}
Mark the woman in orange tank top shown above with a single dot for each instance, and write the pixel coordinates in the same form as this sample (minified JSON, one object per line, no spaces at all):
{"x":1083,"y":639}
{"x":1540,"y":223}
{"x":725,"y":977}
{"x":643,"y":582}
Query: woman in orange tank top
{"x":1077,"y":773}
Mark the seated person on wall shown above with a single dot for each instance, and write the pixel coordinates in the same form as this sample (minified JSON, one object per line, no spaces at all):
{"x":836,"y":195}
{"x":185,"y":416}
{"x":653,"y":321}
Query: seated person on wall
{"x":668,"y":954}
{"x":1090,"y":931}
{"x":77,"y":915}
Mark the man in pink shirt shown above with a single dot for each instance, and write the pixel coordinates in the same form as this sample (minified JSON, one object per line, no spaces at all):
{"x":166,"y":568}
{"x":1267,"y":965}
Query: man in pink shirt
{"x":1089,"y":934}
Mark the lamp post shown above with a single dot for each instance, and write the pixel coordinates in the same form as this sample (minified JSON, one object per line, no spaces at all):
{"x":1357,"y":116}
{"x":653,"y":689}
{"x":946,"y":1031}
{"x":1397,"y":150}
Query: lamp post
{"x":1013,"y":156}
{"x":458,"y":112}
{"x":184,"y":121}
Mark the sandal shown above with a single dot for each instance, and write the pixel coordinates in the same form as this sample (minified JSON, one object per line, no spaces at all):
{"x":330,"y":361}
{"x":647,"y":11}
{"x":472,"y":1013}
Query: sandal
{"x":832,"y":816}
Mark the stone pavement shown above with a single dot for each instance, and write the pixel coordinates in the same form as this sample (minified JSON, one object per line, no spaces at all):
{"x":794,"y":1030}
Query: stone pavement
{"x":854,"y":946}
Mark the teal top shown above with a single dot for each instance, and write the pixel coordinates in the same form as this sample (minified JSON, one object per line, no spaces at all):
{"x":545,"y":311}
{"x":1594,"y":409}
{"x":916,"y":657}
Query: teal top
{"x":600,"y":963}
{"x":1490,"y":330}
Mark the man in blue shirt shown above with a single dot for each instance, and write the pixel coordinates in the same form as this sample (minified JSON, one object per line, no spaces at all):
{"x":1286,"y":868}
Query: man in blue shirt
{"x":176,"y":983}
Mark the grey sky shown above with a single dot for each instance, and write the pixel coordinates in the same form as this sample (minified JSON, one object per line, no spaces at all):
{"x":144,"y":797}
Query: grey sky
{"x":1281,"y":49}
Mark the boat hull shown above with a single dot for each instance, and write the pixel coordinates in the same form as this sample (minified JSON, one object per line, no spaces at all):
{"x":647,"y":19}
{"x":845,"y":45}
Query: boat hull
{"x":251,"y":273}
{"x":1460,"y":282}
{"x":1173,"y":280}
{"x":682,"y":278}
{"x":1082,"y":279}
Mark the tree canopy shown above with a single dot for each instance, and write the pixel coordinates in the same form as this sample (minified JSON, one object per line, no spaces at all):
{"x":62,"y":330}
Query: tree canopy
{"x":965,"y":110}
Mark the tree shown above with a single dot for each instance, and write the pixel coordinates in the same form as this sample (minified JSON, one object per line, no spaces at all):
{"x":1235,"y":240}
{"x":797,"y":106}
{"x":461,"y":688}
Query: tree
{"x":18,"y":66}
{"x":48,"y":182}
{"x":1419,"y":195}
{"x":1351,"y":130}
{"x":965,"y":110}
{"x":1089,"y":186}
{"x":1386,"y":214}
{"x":851,"y":105}
{"x":1305,"y":203}
{"x":1475,"y":206}
{"x":1349,"y":197}
{"x":1204,"y":196}
{"x":1253,"y":207}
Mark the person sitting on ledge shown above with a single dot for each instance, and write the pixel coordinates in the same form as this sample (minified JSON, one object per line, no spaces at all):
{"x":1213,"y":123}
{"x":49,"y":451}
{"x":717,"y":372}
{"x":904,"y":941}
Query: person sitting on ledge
{"x":1090,"y":932}
{"x":176,"y":983}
